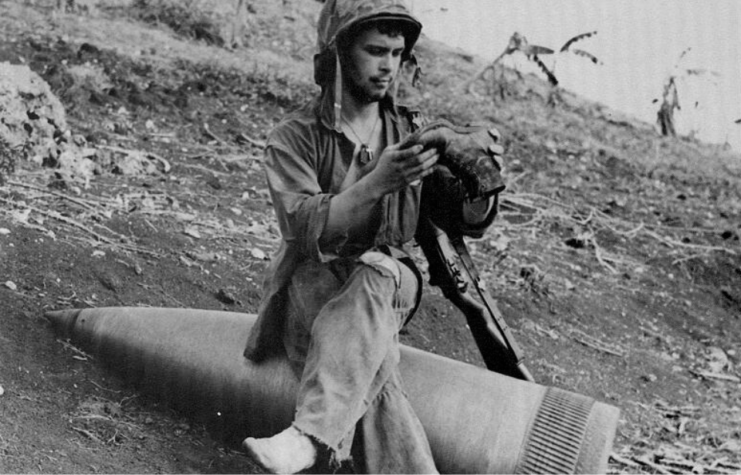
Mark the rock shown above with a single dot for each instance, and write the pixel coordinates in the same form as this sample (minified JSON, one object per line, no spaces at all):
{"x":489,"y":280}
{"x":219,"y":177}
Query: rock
{"x":73,"y":167}
{"x":259,"y":254}
{"x":227,"y":297}
{"x":110,"y":281}
{"x":192,"y":232}
{"x":32,"y":114}
{"x":717,"y":359}
{"x":203,"y":256}
{"x":134,"y":163}
{"x":34,"y":126}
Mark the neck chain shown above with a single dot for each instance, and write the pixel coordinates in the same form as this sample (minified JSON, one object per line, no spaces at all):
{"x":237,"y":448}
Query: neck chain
{"x":366,"y":153}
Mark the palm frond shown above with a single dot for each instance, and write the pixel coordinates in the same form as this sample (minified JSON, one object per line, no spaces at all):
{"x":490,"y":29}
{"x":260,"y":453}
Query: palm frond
{"x":576,"y":38}
{"x":534,"y":50}
{"x":700,"y":72}
{"x":551,"y":78}
{"x":585,"y":54}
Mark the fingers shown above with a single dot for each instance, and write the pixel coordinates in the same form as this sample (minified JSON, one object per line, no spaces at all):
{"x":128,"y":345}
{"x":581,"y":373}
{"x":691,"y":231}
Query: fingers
{"x":428,"y":159}
{"x":411,"y":164}
{"x":404,"y":153}
{"x":414,"y":155}
{"x":425,"y":165}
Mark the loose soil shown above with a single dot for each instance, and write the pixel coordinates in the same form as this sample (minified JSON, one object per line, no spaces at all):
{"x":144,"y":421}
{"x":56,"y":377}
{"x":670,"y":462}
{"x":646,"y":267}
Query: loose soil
{"x":619,"y":274}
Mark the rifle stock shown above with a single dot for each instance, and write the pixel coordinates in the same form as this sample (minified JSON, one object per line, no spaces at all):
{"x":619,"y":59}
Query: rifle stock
{"x":493,"y":337}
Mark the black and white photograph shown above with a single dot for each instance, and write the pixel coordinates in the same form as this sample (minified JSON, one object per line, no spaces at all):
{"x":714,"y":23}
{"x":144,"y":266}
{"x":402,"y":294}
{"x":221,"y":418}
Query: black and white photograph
{"x":370,"y":236}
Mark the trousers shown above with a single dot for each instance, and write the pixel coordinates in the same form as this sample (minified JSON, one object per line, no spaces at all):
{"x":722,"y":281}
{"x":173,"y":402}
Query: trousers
{"x":342,"y":338}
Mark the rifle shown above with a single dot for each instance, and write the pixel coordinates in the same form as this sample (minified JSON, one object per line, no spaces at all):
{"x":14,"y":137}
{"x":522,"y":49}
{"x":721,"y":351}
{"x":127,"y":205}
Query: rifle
{"x":496,"y":343}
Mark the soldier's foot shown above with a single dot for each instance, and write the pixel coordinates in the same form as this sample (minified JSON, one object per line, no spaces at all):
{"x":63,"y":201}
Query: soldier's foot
{"x":287,"y":452}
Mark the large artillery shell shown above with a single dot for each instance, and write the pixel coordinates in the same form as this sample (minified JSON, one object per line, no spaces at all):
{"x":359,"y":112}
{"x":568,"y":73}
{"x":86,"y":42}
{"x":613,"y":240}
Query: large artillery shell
{"x":477,"y":421}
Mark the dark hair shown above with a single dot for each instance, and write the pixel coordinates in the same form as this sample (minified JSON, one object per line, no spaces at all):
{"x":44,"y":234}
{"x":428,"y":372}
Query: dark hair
{"x":324,"y":62}
{"x":390,"y":27}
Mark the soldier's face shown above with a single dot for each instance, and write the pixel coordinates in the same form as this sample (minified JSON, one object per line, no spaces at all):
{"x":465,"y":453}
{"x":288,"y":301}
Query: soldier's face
{"x":373,"y":62}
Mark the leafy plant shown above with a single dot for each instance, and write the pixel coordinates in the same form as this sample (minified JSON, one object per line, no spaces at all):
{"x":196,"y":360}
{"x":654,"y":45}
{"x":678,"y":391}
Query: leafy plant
{"x":519,"y":43}
{"x":670,"y":94}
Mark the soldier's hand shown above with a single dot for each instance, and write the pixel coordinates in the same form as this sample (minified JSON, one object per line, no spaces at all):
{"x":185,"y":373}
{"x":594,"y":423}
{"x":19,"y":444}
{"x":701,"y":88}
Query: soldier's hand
{"x":400,"y":166}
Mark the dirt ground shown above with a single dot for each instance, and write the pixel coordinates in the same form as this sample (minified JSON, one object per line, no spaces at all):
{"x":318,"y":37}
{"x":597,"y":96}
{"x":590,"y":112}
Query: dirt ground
{"x":621,"y":279}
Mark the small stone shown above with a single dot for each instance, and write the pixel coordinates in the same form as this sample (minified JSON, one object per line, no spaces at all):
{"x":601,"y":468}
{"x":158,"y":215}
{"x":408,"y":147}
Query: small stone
{"x":226,"y":297}
{"x":11,"y":285}
{"x":192,"y":232}
{"x":110,"y":282}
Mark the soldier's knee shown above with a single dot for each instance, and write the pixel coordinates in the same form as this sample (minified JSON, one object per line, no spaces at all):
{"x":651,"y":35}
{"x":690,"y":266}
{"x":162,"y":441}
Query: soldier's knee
{"x":383,"y":264}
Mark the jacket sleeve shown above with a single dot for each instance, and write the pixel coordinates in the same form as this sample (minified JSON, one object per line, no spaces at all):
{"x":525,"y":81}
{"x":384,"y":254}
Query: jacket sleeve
{"x":301,"y":206}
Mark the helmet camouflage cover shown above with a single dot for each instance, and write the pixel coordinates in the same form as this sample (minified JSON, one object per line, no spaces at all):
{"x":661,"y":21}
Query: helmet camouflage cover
{"x":339,"y":16}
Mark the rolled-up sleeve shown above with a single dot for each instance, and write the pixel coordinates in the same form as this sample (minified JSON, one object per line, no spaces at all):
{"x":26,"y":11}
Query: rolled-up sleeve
{"x":301,"y":205}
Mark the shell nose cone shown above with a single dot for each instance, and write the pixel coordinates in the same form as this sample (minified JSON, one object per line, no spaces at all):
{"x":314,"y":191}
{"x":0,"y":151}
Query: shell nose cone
{"x":63,"y":320}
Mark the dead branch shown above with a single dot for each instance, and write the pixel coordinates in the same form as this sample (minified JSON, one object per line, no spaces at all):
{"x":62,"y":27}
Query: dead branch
{"x":88,"y":434}
{"x":719,"y":376}
{"x":161,"y":290}
{"x":81,"y":226}
{"x":87,"y":204}
{"x":212,"y":135}
{"x":69,"y":346}
{"x":598,"y":255}
{"x":659,"y":468}
{"x":204,"y":169}
{"x":622,"y":460}
{"x":64,"y":219}
{"x":546,"y":208}
{"x":673,"y":243}
{"x":84,"y":203}
{"x":595,"y":344}
{"x":255,"y":142}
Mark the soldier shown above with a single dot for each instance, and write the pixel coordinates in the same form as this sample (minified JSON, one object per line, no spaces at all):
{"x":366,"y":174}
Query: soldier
{"x":346,"y":194}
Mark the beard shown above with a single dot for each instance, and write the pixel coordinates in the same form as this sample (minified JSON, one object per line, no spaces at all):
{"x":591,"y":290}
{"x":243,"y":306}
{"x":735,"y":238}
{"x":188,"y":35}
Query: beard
{"x":364,"y":93}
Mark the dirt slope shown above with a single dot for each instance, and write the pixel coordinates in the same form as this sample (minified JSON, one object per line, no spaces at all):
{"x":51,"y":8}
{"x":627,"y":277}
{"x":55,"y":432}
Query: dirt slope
{"x":616,"y":260}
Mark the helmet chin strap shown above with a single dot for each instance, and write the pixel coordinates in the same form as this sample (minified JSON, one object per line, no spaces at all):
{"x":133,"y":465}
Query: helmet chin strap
{"x":338,"y":90}
{"x":338,"y":95}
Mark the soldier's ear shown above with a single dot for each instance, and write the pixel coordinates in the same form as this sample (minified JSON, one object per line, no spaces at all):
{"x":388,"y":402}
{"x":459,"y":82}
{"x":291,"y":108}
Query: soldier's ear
{"x":412,"y":67}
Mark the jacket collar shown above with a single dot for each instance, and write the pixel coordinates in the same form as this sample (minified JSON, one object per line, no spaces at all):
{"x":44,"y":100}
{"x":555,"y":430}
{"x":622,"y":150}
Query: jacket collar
{"x":325,"y":109}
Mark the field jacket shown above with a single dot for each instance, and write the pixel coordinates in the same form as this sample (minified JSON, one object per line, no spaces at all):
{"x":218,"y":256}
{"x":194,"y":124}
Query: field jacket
{"x":306,"y":161}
